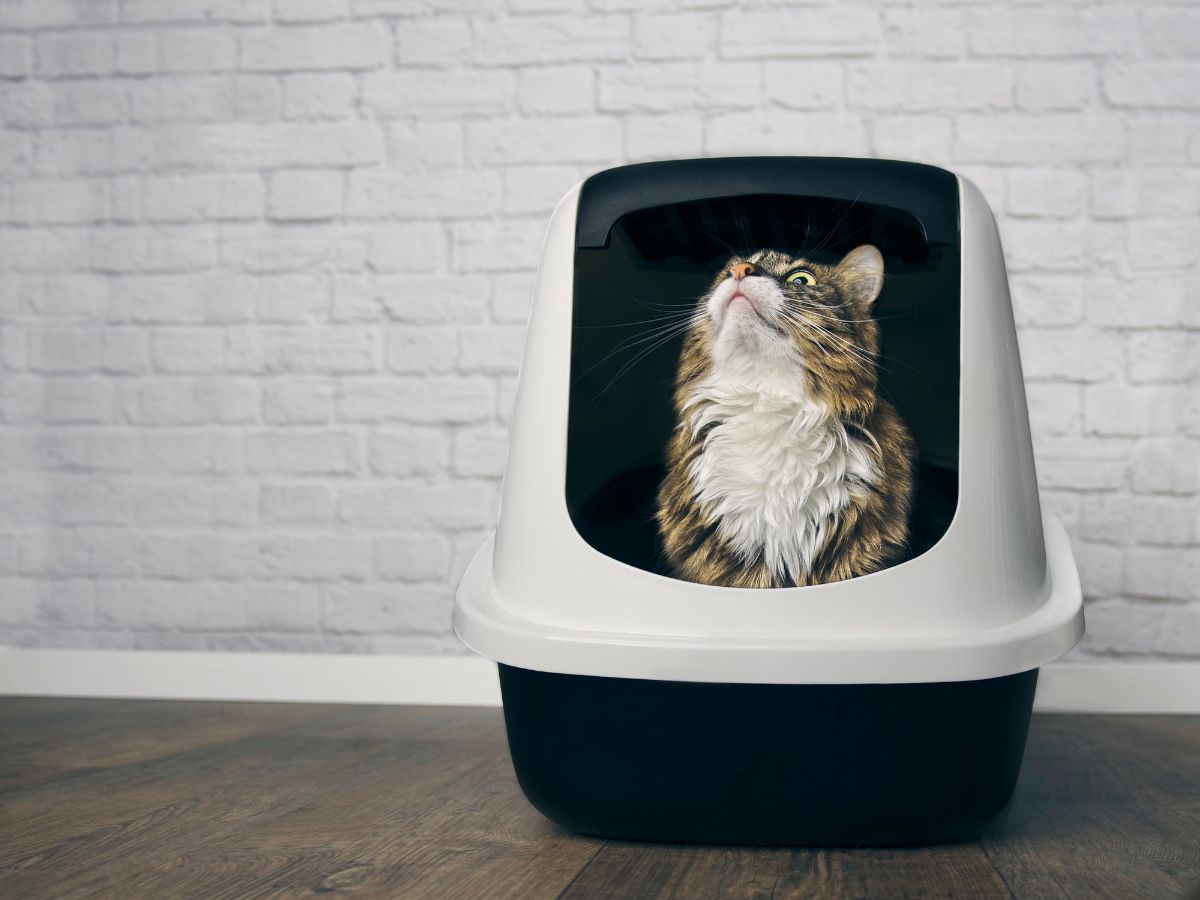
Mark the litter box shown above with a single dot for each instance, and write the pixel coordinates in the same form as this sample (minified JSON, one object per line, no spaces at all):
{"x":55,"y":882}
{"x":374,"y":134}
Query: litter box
{"x":889,"y":708}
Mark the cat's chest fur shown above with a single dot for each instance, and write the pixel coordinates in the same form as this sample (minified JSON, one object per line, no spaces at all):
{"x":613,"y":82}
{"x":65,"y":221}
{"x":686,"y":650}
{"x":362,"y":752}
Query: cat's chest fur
{"x":775,"y":470}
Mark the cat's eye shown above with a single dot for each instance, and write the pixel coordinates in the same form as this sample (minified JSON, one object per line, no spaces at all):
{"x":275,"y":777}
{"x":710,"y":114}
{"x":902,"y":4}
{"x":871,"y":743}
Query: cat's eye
{"x":801,"y":276}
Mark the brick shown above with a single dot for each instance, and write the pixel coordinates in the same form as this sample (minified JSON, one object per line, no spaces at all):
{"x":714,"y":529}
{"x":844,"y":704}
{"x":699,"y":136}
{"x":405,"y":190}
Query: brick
{"x":1146,"y":85}
{"x":844,"y":31}
{"x":812,"y":134}
{"x":1149,"y":193}
{"x":347,"y":46}
{"x":322,"y":95}
{"x":196,"y":505}
{"x":1054,"y":408}
{"x":556,"y":90}
{"x":1135,"y":410}
{"x":922,"y":87}
{"x":425,"y":145}
{"x":373,"y":195}
{"x":480,"y":451}
{"x":197,"y":50}
{"x":205,"y":11}
{"x":1169,"y":32}
{"x":551,"y":39}
{"x":1044,"y":245}
{"x":1167,"y":466}
{"x":58,"y":202}
{"x":407,"y":247}
{"x":451,"y":94}
{"x":424,"y":400}
{"x":309,"y":10}
{"x":536,"y":189}
{"x":269,"y":146}
{"x":412,"y":556}
{"x":433,"y":42}
{"x":421,"y":349}
{"x":188,"y":452}
{"x":932,"y":33}
{"x":16,"y":56}
{"x":316,"y":557}
{"x":1164,"y":356}
{"x":410,"y":451}
{"x":1051,"y":32}
{"x":188,"y":350}
{"x":1150,"y":302}
{"x":1047,"y":299}
{"x":64,"y":350}
{"x":74,"y":401}
{"x":296,"y":504}
{"x":804,"y":84}
{"x":290,"y":298}
{"x":1170,"y":521}
{"x":305,"y":196}
{"x":136,"y":53}
{"x":494,"y":349}
{"x":671,"y":86}
{"x":414,"y":610}
{"x":1122,"y":626}
{"x":459,"y":504}
{"x":302,"y":452}
{"x":1163,"y":243}
{"x":1055,"y":139}
{"x":460,"y":298}
{"x":1054,"y":86}
{"x":77,"y":295}
{"x":302,"y":350}
{"x":1163,"y":573}
{"x":77,"y":53}
{"x":674,"y":35}
{"x":297,"y":402}
{"x":1101,"y":568}
{"x":1054,"y":193}
{"x":1070,"y":354}
{"x":184,"y":401}
{"x":496,"y":247}
{"x":1180,"y":632}
{"x":302,"y":249}
{"x":912,"y":137}
{"x":198,"y":555}
{"x":562,"y":140}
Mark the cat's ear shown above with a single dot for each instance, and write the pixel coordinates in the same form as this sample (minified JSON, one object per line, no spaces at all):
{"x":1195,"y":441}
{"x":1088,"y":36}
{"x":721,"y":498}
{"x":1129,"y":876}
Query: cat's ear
{"x":861,"y":273}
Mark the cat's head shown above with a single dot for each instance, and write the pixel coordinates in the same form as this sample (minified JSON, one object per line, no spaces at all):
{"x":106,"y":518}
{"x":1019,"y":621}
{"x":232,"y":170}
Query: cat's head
{"x":771,"y":314}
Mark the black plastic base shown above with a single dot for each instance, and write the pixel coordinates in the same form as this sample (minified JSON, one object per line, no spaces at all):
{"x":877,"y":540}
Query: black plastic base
{"x":807,"y":765}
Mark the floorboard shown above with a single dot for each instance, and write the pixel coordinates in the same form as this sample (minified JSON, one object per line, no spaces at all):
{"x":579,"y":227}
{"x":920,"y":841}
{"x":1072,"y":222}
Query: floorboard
{"x":102,"y":798}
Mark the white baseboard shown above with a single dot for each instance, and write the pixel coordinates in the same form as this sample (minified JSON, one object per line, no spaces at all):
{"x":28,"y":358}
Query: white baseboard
{"x":1101,"y":687}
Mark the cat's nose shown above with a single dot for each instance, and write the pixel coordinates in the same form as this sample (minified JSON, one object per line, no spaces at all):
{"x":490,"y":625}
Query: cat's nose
{"x":741,"y":270}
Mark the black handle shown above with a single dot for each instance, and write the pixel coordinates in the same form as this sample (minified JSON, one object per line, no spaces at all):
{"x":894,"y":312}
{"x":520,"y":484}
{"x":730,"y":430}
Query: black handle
{"x":930,"y":194}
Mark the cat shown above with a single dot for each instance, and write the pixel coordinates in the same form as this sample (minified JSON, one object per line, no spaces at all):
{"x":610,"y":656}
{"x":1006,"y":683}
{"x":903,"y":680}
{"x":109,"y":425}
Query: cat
{"x":786,"y":467}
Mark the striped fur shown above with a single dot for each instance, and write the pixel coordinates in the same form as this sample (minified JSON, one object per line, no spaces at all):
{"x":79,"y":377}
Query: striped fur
{"x":785,"y":467}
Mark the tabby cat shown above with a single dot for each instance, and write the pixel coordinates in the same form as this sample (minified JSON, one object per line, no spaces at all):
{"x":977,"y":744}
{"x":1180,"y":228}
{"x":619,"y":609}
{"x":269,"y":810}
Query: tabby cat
{"x":786,"y":467}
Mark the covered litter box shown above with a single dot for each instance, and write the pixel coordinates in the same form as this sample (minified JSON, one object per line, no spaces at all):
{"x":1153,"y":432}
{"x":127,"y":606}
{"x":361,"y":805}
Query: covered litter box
{"x":891,"y":707}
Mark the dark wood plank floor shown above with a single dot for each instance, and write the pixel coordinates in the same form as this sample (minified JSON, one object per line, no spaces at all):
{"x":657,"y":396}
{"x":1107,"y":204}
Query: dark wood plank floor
{"x":155,"y":799}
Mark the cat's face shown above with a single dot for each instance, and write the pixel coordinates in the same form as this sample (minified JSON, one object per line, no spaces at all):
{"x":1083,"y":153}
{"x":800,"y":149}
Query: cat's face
{"x":771,"y":309}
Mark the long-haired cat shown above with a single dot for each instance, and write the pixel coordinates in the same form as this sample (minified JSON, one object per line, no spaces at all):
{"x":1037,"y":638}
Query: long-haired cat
{"x":786,"y":467}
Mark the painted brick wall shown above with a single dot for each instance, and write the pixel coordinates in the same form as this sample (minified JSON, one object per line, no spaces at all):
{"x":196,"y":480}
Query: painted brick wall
{"x":264,"y":271}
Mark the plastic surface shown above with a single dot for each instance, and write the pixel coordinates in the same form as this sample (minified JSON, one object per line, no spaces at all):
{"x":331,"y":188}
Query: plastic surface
{"x":767,"y":764}
{"x":998,"y":594}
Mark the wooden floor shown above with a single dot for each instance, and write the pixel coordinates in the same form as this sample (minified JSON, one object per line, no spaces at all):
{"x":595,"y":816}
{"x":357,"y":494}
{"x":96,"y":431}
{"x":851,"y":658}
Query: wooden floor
{"x":154,"y":799}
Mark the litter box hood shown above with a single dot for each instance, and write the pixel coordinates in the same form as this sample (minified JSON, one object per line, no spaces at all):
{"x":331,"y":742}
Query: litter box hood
{"x":997,"y":593}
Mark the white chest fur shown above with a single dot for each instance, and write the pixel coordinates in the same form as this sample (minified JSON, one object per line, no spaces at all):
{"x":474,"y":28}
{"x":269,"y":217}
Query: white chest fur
{"x":776,"y":469}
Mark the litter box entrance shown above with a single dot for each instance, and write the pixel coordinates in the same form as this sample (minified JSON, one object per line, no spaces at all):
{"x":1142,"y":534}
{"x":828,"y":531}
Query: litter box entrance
{"x":634,"y":279}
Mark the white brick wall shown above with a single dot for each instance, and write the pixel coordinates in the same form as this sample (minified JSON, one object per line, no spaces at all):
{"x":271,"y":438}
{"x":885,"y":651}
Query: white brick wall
{"x":264,"y":269}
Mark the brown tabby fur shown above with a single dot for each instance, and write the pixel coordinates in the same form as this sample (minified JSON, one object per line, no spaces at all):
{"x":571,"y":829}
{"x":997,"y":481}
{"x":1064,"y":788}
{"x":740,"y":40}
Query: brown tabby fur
{"x":871,"y":533}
